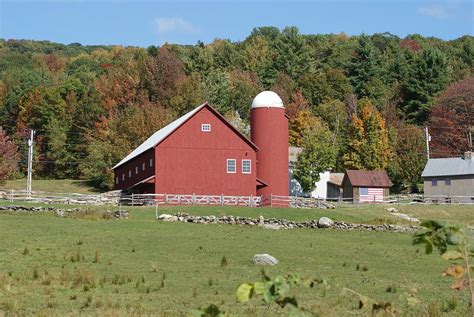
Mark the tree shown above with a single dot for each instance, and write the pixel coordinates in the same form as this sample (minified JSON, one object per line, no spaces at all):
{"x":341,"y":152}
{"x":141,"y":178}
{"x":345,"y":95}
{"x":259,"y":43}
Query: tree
{"x":365,"y":70}
{"x":428,"y":74}
{"x":318,"y":154}
{"x":452,"y":120}
{"x":409,"y":159}
{"x":9,"y":156}
{"x":368,"y":146}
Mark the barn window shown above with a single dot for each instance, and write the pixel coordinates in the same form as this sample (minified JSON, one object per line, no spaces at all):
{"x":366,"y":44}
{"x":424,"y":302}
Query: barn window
{"x":246,"y":166}
{"x":151,"y":162}
{"x":206,"y":127}
{"x":231,"y":166}
{"x":129,"y":173}
{"x":123,"y":177}
{"x":143,"y":166}
{"x":447,"y":182}
{"x":116,"y":180}
{"x":434,"y":182}
{"x":136,"y":169}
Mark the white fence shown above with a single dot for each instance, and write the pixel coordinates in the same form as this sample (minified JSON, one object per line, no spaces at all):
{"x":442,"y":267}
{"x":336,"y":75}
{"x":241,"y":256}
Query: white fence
{"x":116,"y":198}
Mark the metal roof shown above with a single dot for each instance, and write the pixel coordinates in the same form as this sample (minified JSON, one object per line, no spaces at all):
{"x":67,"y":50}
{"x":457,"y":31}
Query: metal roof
{"x":164,"y":132}
{"x":368,"y":178}
{"x":448,"y":167}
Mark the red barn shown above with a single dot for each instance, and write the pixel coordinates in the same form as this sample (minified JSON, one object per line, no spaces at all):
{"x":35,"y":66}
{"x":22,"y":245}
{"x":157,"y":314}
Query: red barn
{"x":202,"y":153}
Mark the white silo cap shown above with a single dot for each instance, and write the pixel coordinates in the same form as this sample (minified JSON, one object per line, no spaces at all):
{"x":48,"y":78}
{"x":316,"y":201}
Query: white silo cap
{"x":267,"y":99}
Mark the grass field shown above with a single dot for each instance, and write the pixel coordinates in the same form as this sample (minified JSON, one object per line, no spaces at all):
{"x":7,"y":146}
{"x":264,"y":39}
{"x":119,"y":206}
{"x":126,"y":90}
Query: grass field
{"x":47,"y":185}
{"x":63,"y":266}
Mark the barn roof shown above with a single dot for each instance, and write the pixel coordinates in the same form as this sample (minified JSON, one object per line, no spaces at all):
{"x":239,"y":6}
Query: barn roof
{"x":336,"y":178}
{"x":368,"y":178}
{"x":164,"y":132}
{"x":448,"y":167}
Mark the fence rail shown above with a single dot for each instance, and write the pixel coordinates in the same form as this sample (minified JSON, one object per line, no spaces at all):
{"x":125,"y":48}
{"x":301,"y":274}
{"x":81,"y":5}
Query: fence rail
{"x":116,"y":198}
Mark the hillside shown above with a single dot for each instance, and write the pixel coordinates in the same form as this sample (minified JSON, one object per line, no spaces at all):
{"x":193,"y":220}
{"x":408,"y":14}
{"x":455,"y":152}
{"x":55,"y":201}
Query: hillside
{"x":91,"y":105}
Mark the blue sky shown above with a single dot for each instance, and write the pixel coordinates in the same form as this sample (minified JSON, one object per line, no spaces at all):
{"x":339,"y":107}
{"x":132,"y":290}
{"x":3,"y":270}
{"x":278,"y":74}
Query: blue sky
{"x":144,"y":23}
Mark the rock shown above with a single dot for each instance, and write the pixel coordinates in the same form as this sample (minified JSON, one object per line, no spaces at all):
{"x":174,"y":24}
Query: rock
{"x":391,"y":209}
{"x":166,"y":217}
{"x":325,"y":222}
{"x":264,"y":259}
{"x":271,"y":226}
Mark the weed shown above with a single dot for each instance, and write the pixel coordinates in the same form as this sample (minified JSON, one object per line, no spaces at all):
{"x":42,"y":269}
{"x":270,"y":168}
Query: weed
{"x":96,"y":257}
{"x":391,"y":289}
{"x":79,"y":242}
{"x":365,"y":268}
{"x":25,"y":251}
{"x":75,"y":256}
{"x":120,"y":279}
{"x":83,"y":277}
{"x":35,"y":273}
{"x":224,"y":261}
{"x":357,"y":267}
{"x":450,"y":304}
{"x":210,"y":282}
{"x":73,"y":297}
{"x":195,"y":292}
{"x":154,"y":267}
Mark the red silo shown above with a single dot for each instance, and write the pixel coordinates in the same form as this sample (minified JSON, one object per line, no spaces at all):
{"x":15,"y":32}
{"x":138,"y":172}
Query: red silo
{"x":269,"y":131}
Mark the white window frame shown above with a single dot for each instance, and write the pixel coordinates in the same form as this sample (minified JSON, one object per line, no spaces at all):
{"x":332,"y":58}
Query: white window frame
{"x":136,"y":169}
{"x":249,"y":166}
{"x":151,"y":162}
{"x":235,"y":166}
{"x":206,"y":127}
{"x":116,"y":180}
{"x":143,"y":166}
{"x":129,"y":173}
{"x":123,"y":176}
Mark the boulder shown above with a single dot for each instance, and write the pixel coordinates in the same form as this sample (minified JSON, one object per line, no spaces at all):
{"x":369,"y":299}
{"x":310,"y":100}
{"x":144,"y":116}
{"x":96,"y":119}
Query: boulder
{"x":325,"y":222}
{"x":391,"y":209}
{"x":166,"y":217}
{"x":264,"y":259}
{"x":271,"y":226}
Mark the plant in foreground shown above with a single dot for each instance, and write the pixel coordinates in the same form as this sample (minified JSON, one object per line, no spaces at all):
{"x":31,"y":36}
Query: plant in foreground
{"x":453,"y":243}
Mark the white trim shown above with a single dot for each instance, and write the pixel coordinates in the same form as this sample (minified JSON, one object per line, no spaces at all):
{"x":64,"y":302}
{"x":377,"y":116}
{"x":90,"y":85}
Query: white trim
{"x":116,"y":180}
{"x":249,"y":166}
{"x":151,"y":162}
{"x":136,"y":170}
{"x":143,"y":166}
{"x":206,"y":127}
{"x":123,"y":176}
{"x":129,"y":173}
{"x":235,"y":166}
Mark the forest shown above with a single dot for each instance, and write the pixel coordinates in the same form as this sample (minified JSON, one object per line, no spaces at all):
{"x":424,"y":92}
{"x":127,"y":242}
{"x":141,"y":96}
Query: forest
{"x":358,"y":102}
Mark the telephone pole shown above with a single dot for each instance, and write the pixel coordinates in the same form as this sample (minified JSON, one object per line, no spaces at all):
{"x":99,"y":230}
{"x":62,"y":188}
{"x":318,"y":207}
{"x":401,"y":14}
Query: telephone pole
{"x":30,"y":163}
{"x":428,"y":139}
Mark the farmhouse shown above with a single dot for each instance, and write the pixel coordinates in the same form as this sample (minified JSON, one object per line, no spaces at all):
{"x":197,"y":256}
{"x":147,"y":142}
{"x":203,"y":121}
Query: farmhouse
{"x":366,"y":186}
{"x":449,"y":179}
{"x":202,"y":153}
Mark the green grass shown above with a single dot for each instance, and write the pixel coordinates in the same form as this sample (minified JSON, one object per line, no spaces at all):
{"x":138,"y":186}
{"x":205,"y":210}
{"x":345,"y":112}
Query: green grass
{"x":63,"y":266}
{"x":48,"y":185}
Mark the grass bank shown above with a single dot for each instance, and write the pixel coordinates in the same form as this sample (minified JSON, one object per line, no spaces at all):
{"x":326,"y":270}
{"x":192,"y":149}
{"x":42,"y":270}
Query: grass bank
{"x":61,"y":266}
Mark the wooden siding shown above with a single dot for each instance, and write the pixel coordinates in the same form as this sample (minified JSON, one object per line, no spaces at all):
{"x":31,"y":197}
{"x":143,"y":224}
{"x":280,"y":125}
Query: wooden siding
{"x":135,"y":178}
{"x":191,"y":161}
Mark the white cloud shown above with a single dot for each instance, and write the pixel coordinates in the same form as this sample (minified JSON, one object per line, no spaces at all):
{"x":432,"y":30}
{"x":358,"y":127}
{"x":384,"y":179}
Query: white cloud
{"x":166,"y":25}
{"x":435,"y":11}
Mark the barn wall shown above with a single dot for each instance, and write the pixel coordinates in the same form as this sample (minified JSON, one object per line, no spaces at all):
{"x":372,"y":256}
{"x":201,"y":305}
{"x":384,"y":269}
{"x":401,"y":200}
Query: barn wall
{"x":347,"y":188}
{"x":130,"y":166}
{"x":461,"y":185}
{"x":191,"y":161}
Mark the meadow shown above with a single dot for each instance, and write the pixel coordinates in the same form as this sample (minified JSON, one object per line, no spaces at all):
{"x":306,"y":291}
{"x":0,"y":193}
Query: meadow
{"x":53,"y":266}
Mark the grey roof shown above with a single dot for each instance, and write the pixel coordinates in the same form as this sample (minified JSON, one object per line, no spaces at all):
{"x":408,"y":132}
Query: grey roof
{"x":448,"y":167}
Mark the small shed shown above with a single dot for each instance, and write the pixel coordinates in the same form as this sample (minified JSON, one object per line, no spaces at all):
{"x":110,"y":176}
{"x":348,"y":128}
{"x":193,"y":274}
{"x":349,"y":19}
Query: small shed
{"x":366,"y":186}
{"x":449,"y":180}
{"x":334,"y":186}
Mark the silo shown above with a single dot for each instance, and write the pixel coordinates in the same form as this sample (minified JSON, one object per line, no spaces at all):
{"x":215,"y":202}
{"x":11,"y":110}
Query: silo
{"x":269,"y":131}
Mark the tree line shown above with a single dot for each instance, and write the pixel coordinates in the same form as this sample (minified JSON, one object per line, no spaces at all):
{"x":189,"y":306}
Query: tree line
{"x":357,"y":102}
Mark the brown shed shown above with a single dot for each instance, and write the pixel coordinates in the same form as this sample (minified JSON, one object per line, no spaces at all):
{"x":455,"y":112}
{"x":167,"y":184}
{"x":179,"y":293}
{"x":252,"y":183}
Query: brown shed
{"x":366,"y":186}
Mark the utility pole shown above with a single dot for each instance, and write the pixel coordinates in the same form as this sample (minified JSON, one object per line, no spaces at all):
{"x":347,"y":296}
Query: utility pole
{"x":30,"y":163}
{"x":428,"y":139}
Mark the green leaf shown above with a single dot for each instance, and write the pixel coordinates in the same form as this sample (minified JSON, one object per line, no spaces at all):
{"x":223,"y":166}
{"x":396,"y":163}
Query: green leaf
{"x":452,"y":255}
{"x":259,"y":288}
{"x":244,"y":292}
